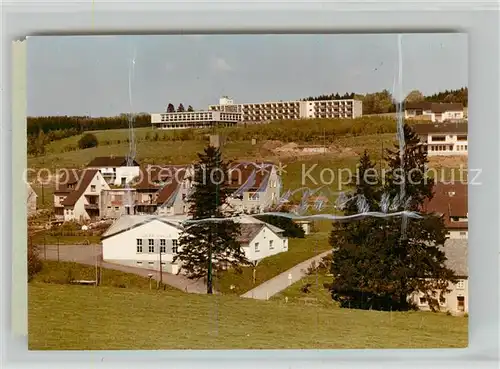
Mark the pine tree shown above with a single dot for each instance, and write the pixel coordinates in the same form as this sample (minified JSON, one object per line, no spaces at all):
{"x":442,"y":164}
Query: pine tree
{"x":180,"y":108}
{"x":170,"y":108}
{"x":208,"y":246}
{"x":190,"y":108}
{"x":375,"y":263}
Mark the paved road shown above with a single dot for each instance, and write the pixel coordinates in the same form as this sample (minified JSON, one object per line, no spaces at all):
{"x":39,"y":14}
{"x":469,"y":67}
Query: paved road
{"x":282,"y":281}
{"x":87,"y":255}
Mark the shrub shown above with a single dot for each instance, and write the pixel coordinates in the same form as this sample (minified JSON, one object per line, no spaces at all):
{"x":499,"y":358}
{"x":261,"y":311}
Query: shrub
{"x":34,"y":262}
{"x":87,"y":141}
{"x":292,"y":230}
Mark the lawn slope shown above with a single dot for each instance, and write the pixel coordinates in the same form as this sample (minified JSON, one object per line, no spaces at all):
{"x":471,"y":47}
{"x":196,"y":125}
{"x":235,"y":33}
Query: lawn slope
{"x":64,"y":317}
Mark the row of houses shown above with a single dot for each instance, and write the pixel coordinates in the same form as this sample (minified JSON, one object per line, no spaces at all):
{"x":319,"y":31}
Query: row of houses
{"x":107,"y":189}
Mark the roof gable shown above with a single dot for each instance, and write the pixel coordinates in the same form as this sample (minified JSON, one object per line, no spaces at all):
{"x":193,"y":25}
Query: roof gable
{"x":81,"y":186}
{"x":109,"y":161}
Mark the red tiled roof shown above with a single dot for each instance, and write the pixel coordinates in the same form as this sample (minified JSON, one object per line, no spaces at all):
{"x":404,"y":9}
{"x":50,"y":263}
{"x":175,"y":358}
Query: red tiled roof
{"x":434,"y":107}
{"x":109,"y":161}
{"x":450,"y":200}
{"x":167,"y":191}
{"x":84,"y":179}
{"x":239,"y":174}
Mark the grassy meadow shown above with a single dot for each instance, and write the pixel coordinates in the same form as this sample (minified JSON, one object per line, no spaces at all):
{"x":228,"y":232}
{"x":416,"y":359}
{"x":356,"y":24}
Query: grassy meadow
{"x":65,"y":317}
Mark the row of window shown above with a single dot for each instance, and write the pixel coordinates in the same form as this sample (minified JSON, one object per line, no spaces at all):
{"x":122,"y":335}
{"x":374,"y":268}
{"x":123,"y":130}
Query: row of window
{"x":152,"y":248}
{"x":271,"y":245}
{"x":447,"y":147}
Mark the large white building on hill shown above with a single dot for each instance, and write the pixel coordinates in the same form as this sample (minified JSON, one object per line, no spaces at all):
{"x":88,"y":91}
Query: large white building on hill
{"x":293,"y":109}
{"x":143,"y":240}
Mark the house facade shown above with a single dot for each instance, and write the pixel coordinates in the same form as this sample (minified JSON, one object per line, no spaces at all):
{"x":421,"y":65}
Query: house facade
{"x":443,"y":139}
{"x":456,"y":301}
{"x":147,"y":241}
{"x":31,"y":200}
{"x":114,"y":169}
{"x":77,"y":195}
{"x":255,"y":187}
{"x":435,"y":112}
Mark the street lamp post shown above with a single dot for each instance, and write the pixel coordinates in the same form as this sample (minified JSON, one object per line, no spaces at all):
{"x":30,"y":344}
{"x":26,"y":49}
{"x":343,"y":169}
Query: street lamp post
{"x":85,"y":229}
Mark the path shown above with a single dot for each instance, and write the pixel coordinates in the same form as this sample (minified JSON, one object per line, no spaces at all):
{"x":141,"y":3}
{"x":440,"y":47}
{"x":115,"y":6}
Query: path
{"x":282,"y":281}
{"x":87,"y":255}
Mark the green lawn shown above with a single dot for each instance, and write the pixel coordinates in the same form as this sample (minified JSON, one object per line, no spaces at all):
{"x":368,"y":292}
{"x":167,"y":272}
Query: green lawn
{"x":54,"y":272}
{"x":318,"y":294}
{"x":299,"y":249}
{"x":44,"y":239}
{"x":63,"y":317}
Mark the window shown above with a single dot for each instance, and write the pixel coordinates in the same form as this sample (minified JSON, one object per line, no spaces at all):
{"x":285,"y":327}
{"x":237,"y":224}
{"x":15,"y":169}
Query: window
{"x":162,"y":242}
{"x":92,"y":188}
{"x":460,"y":303}
{"x":460,"y":285}
{"x":183,"y":196}
{"x":174,"y":246}
{"x":271,"y":245}
{"x":422,"y":301}
{"x":463,"y":233}
{"x":151,"y":249}
{"x":117,"y":208}
{"x":151,"y":242}
{"x":465,"y":147}
{"x":163,"y":249}
{"x":139,"y":245}
{"x":151,"y":263}
{"x":139,"y":263}
{"x":438,"y":138}
{"x":256,"y":247}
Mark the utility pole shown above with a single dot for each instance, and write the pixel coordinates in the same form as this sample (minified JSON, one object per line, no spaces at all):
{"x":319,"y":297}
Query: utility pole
{"x":161,"y":270}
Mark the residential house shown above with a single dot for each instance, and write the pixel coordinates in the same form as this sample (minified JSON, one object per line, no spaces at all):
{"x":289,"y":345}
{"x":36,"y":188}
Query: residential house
{"x":163,"y":190}
{"x":31,"y":200}
{"x":435,"y":112}
{"x":148,"y":241}
{"x":450,"y":200}
{"x":114,"y":169}
{"x":255,"y":187}
{"x":457,"y":300}
{"x":77,"y":194}
{"x":443,"y":139}
{"x":116,"y":202}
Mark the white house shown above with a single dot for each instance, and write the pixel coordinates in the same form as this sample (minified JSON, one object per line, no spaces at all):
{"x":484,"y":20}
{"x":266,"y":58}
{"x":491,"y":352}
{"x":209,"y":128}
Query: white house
{"x":142,"y":240}
{"x":443,"y":139}
{"x":435,"y":112}
{"x":115,"y":170}
{"x":457,"y":300}
{"x":77,"y":195}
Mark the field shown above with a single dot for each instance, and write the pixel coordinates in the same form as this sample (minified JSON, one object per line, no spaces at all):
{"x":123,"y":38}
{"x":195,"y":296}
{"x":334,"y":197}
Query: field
{"x":59,"y":273}
{"x":63,"y":317}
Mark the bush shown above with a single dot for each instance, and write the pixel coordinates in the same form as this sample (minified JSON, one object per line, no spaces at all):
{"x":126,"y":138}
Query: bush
{"x":292,"y":230}
{"x":34,"y":262}
{"x":87,"y":141}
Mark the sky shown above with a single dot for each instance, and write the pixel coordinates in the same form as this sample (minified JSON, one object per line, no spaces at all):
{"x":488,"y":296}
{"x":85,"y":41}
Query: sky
{"x":91,"y":75}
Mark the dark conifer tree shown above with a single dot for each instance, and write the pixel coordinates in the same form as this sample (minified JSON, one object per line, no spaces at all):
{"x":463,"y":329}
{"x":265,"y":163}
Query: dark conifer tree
{"x":378,"y":263}
{"x":208,"y":246}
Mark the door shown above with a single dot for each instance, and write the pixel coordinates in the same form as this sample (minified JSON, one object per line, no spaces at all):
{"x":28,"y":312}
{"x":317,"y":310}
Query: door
{"x":460,"y":303}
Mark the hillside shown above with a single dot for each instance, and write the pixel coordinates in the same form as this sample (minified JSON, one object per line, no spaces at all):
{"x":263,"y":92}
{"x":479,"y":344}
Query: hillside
{"x":65,"y":317}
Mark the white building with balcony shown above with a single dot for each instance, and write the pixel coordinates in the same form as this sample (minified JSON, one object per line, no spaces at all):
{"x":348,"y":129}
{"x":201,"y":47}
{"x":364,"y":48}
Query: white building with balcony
{"x":443,"y":139}
{"x":289,"y":110}
{"x":195,"y":119}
